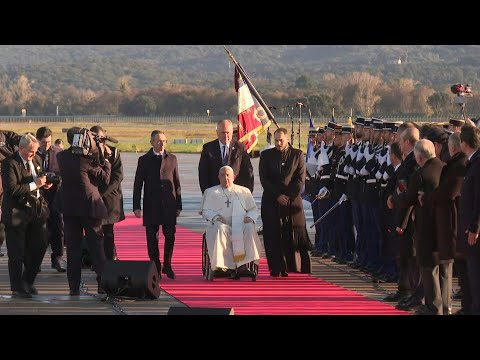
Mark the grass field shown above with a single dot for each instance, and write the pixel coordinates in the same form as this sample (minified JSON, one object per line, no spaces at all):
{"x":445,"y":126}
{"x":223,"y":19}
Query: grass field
{"x":133,"y":137}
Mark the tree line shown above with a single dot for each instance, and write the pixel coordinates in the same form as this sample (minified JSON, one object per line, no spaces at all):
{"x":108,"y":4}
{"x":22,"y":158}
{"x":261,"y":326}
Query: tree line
{"x":362,"y":92}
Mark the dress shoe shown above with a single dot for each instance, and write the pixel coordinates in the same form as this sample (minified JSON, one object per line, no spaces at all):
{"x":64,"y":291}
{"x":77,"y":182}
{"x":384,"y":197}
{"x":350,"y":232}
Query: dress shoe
{"x":284,"y":274}
{"x":275,"y":273}
{"x":395,"y":297}
{"x":169,"y":272}
{"x":21,"y":294}
{"x":74,"y":292}
{"x":58,"y":266}
{"x":243,"y":271}
{"x":30,"y":288}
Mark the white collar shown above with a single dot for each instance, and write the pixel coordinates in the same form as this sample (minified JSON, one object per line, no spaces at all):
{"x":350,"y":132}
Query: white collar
{"x":470,"y":157}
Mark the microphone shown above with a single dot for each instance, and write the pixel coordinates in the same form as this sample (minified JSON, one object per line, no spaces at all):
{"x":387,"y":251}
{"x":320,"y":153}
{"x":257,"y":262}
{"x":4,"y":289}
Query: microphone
{"x":299,"y":104}
{"x":111,"y":139}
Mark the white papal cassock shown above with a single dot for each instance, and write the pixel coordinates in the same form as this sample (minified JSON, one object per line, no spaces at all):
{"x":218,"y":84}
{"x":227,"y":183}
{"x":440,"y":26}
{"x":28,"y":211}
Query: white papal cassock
{"x":235,"y":243}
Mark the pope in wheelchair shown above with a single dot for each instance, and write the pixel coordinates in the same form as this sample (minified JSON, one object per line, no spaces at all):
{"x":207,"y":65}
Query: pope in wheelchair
{"x":232,"y":241}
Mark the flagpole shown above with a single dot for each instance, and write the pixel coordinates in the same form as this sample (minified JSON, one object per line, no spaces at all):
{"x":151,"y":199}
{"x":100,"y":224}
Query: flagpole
{"x":251,"y":87}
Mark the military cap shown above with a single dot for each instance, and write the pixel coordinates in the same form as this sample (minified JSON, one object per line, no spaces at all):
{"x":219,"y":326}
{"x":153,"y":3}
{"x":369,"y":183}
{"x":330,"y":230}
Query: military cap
{"x":321,"y":130}
{"x":313,"y":132}
{"x":377,"y":124}
{"x":457,"y":122}
{"x":389,"y":126}
{"x":347,"y":129}
{"x":359,"y":121}
{"x":367,"y":122}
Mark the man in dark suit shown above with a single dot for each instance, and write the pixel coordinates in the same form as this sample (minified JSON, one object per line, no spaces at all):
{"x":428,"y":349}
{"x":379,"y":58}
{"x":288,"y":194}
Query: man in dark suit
{"x":83,"y":210}
{"x":112,"y":196}
{"x":224,"y":151}
{"x":469,"y":212}
{"x":8,"y":145}
{"x":24,"y":215}
{"x":47,"y":155}
{"x":282,"y":174}
{"x":157,"y":170}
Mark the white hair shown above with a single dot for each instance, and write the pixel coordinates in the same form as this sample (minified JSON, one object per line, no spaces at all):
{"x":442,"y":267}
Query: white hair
{"x":226,"y":167}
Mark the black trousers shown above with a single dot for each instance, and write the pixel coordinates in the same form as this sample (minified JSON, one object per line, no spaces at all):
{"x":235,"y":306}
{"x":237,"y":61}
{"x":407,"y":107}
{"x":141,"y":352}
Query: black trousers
{"x":74,"y":227}
{"x":26,"y":246}
{"x":109,"y":241}
{"x":55,"y":233}
{"x":152,"y":245}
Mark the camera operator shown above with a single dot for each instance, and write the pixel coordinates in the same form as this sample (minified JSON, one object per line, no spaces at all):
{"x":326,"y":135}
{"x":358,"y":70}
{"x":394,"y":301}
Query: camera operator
{"x":24,"y":213}
{"x":112,"y":196}
{"x":47,"y":156}
{"x":8,"y":145}
{"x":82,"y":207}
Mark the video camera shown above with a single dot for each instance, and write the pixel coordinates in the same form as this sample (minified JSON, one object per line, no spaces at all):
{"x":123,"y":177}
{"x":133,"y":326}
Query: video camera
{"x":86,"y":142}
{"x":52,"y":178}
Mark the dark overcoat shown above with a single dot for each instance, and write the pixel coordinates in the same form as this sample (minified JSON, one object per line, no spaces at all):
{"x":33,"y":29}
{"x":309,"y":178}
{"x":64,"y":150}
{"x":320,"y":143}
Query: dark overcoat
{"x":81,"y":175}
{"x":211,"y":162}
{"x":160,"y":181}
{"x":112,"y":193}
{"x":284,"y":177}
{"x":469,"y":214}
{"x":426,"y":179}
{"x":445,"y":199}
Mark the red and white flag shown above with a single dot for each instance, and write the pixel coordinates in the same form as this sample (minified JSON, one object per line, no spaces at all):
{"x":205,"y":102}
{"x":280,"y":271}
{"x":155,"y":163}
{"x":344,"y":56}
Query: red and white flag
{"x":252,"y":118}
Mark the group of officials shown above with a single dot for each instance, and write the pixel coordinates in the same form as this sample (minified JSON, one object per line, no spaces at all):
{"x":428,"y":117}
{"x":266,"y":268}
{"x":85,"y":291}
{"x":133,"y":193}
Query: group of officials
{"x":401,"y":202}
{"x":396,"y":200}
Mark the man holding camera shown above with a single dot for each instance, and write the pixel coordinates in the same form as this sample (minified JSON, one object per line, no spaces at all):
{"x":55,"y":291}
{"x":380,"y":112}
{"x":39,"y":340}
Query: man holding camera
{"x":24,"y":213}
{"x":111,"y":194}
{"x":47,"y":156}
{"x":82,"y":205}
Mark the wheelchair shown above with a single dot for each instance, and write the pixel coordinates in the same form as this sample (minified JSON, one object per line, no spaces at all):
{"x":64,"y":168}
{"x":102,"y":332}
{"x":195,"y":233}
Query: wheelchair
{"x":209,"y":274}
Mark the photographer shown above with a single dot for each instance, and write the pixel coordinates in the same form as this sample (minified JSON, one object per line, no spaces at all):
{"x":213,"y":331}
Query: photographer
{"x":47,"y":156}
{"x":81,"y":203}
{"x":24,"y":213}
{"x":112,"y":195}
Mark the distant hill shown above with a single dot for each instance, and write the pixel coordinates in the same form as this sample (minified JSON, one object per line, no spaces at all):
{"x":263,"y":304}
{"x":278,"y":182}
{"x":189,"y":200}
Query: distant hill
{"x":97,"y":67}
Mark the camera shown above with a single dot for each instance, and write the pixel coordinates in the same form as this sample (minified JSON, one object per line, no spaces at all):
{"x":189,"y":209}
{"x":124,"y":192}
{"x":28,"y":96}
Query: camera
{"x":52,"y":178}
{"x":86,"y":142}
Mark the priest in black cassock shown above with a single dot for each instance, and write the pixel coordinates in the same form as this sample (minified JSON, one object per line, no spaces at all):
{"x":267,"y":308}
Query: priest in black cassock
{"x":282,"y":175}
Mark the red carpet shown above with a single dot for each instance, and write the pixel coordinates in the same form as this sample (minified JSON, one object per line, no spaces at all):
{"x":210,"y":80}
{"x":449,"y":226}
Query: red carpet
{"x":299,"y":294}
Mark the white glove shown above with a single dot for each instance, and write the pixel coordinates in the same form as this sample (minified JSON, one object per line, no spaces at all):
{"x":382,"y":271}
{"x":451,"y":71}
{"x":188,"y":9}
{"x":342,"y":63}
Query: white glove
{"x":323,"y":157}
{"x":381,"y":159}
{"x":389,"y":161}
{"x":369,"y":156}
{"x":360,"y":153}
{"x":364,"y":171}
{"x":322,"y":192}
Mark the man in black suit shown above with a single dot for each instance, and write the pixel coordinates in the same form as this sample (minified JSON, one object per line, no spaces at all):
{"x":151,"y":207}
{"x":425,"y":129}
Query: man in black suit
{"x":224,"y":151}
{"x":112,"y":196}
{"x":282,"y":174}
{"x":47,"y":155}
{"x":24,"y":214}
{"x":469,"y":212}
{"x":157,"y":170}
{"x":8,"y":145}
{"x":83,"y":209}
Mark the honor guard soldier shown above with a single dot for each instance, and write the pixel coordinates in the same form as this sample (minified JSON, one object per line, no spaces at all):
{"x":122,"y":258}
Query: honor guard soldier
{"x":324,"y":201}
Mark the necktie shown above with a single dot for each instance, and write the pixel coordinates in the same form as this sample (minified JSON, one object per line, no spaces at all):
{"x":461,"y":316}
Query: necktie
{"x":225,"y":154}
{"x":45,"y":162}
{"x":34,"y":174}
